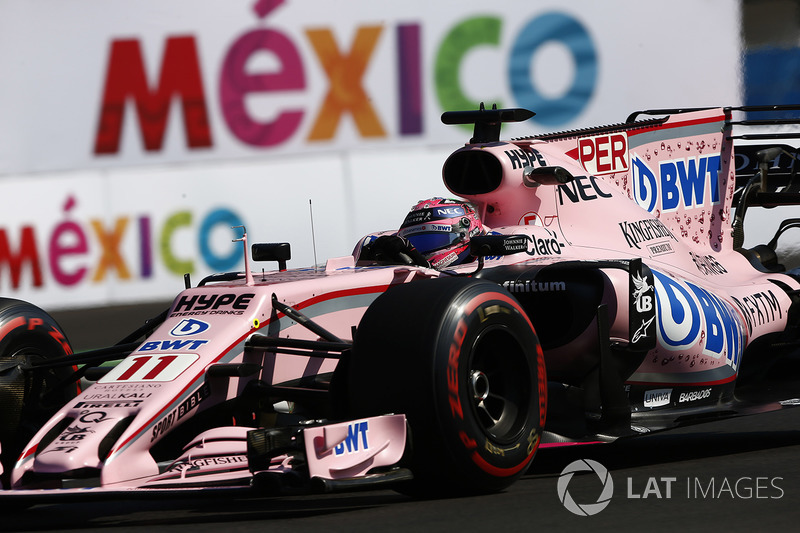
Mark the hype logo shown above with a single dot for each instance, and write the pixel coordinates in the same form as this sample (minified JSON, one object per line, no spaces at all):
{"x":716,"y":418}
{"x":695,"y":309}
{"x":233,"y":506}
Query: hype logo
{"x":689,"y":183}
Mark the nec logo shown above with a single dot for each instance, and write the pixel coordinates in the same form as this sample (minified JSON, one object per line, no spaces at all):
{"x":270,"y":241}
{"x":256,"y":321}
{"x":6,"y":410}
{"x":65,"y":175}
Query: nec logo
{"x":689,"y":183}
{"x":448,"y":211}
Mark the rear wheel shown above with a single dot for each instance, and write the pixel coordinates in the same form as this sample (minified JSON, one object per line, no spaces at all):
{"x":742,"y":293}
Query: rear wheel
{"x":28,"y":398}
{"x":459,"y":357}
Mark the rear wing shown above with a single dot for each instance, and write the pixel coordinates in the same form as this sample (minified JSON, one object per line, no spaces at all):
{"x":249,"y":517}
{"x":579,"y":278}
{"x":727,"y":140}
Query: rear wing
{"x":778,"y":183}
{"x":765,"y":145}
{"x":678,"y":166}
{"x":758,"y":160}
{"x":695,"y":169}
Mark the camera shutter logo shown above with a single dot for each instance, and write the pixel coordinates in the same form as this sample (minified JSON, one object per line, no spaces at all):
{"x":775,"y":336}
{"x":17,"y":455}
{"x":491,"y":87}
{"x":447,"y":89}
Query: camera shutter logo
{"x":585,"y":509}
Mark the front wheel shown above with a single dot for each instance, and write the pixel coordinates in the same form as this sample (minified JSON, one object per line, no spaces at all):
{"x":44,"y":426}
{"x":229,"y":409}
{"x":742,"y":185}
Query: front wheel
{"x":460,"y":358}
{"x":28,"y":398}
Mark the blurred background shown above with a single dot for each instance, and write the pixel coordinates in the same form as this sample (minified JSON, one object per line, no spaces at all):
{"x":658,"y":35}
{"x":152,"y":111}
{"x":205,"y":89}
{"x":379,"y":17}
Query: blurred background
{"x":133,"y":135}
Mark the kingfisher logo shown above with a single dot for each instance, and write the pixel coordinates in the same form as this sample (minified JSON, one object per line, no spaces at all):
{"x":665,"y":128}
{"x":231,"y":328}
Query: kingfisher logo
{"x":689,"y":183}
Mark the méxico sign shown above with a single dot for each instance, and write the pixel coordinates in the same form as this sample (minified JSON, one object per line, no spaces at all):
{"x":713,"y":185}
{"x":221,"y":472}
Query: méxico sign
{"x":134,"y":135}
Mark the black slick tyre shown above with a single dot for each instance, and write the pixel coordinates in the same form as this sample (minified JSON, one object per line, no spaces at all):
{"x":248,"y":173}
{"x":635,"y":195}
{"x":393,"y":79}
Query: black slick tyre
{"x":28,"y":397}
{"x":460,"y":358}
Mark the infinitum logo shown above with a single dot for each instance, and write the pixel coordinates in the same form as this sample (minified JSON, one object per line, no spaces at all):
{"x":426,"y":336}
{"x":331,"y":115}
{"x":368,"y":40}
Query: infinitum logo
{"x":585,"y":509}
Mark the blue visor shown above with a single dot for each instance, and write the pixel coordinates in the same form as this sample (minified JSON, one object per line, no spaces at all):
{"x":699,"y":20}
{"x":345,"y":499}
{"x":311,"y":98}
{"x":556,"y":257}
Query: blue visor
{"x":426,"y":242}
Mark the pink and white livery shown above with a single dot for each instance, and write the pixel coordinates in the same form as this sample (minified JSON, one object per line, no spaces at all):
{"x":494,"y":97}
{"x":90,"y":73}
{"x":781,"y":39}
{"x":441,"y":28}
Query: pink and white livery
{"x":606,"y":293}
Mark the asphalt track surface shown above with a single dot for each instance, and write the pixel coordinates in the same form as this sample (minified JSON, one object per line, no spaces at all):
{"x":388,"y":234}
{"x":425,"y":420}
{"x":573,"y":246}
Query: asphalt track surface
{"x":735,"y":475}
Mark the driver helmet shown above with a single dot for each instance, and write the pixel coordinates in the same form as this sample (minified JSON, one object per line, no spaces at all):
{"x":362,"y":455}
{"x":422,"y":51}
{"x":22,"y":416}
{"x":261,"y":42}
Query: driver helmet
{"x":440,"y":229}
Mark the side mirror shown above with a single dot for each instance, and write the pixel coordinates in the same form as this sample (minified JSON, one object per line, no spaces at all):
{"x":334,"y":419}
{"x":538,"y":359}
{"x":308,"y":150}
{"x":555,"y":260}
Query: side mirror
{"x":535,"y":176}
{"x":484,"y":245}
{"x":272,"y":251}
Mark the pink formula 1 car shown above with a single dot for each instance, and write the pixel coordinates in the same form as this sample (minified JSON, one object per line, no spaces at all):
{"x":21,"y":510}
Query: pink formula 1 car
{"x":611,"y":297}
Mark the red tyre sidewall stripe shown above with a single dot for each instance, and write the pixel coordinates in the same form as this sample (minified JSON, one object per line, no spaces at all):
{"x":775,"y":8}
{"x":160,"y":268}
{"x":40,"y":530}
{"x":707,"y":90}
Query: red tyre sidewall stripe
{"x":469,"y":309}
{"x":501,"y":472}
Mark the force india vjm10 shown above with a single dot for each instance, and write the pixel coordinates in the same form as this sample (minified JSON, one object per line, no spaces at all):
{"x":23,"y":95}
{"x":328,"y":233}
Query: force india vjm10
{"x":611,"y":297}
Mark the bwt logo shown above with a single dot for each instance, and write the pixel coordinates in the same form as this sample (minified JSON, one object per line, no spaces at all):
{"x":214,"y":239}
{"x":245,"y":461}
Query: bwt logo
{"x":689,"y":314}
{"x":351,"y":442}
{"x":689,"y":183}
{"x":189,"y":326}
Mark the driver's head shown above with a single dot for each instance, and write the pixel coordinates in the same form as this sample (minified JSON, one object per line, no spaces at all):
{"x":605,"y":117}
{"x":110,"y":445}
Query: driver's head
{"x":440,"y":229}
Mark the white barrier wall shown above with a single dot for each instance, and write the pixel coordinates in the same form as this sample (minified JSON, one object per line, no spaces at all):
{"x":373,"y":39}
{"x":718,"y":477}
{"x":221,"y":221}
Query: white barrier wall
{"x":133,"y":135}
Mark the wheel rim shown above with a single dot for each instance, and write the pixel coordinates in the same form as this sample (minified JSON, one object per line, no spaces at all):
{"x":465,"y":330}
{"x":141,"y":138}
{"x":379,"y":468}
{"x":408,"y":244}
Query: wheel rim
{"x":20,"y":391}
{"x":499,"y":383}
{"x":12,"y":390}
